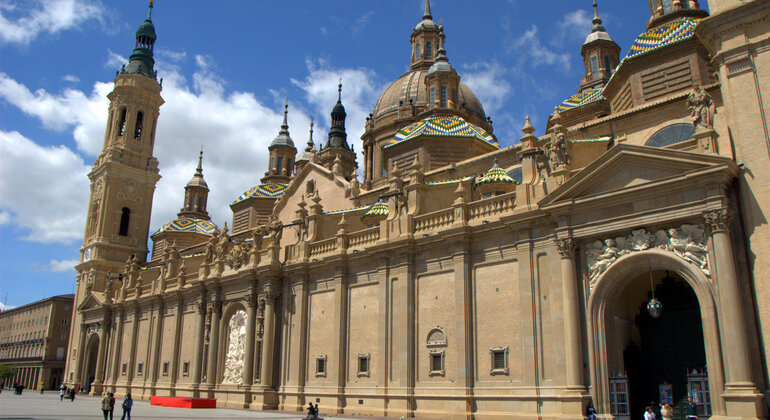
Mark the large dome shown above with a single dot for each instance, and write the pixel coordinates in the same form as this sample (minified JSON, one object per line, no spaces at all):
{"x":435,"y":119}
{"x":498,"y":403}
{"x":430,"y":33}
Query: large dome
{"x":412,"y":86}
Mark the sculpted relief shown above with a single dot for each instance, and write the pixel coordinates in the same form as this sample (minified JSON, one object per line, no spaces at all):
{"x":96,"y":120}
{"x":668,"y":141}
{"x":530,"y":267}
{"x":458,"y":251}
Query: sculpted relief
{"x":236,"y":349}
{"x":688,"y":242}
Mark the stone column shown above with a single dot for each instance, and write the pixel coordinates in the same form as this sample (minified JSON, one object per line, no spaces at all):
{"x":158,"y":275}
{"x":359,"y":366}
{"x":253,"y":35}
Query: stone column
{"x":735,"y":345}
{"x":120,"y":316}
{"x":175,"y":358}
{"x":266,"y":376}
{"x":570,"y":300}
{"x":198,"y":360}
{"x":155,"y":346}
{"x":132,"y":352}
{"x":80,"y":354}
{"x":251,"y":325}
{"x":101,"y":355}
{"x":214,"y":307}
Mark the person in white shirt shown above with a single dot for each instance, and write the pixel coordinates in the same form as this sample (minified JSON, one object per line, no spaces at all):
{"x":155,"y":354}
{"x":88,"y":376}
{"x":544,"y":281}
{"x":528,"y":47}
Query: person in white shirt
{"x":648,"y":414}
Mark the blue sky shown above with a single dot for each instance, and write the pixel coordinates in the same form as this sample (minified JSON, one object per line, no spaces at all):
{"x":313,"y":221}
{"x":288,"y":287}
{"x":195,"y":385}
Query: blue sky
{"x":227,"y":68}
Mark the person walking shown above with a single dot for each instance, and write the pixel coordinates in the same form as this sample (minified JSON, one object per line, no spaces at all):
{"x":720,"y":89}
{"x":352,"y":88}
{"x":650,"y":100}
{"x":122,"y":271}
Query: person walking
{"x":61,"y":393}
{"x":106,"y":405}
{"x":127,"y":404}
{"x":666,"y":412}
{"x":112,"y":404}
{"x":648,"y":414}
{"x":692,"y":409}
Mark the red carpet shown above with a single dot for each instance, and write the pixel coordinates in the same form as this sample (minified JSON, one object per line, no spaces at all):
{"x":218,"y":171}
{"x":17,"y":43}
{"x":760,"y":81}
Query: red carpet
{"x":184,"y":402}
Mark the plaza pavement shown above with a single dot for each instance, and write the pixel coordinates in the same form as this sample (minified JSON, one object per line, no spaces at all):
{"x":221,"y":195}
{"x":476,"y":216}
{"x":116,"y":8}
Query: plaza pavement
{"x":34,"y":406}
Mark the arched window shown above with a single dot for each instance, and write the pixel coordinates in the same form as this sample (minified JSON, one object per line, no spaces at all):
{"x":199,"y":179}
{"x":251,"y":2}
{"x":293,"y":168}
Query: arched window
{"x":428,"y":49}
{"x":672,"y":134}
{"x":124,"y":217}
{"x":200,"y":203}
{"x":138,"y":126}
{"x":279,"y":169}
{"x":122,"y":122}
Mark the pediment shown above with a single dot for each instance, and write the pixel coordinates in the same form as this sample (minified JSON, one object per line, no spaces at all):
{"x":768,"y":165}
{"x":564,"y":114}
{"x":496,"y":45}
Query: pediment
{"x":329,"y":186}
{"x":91,"y":301}
{"x":628,"y":166}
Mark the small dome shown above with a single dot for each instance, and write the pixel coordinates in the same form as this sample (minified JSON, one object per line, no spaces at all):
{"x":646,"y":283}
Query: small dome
{"x":188,"y":224}
{"x":282,"y":139}
{"x":494,"y":175}
{"x":146,"y":29}
{"x":426,"y":24}
{"x":272,"y":190}
{"x":442,"y":66}
{"x":379,"y":211}
{"x":599,"y":35}
{"x":197,"y":181}
{"x":412,"y":86}
{"x":662,"y":36}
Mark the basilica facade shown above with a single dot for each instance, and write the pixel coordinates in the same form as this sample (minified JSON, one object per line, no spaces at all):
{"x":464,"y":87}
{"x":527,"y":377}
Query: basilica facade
{"x":620,"y":258}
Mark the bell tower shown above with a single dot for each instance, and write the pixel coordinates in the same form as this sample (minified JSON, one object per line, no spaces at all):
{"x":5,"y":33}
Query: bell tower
{"x":125,"y":173}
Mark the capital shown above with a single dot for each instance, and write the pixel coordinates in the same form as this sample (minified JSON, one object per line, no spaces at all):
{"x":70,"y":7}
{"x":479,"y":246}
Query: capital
{"x":717,"y":220}
{"x":566,"y":247}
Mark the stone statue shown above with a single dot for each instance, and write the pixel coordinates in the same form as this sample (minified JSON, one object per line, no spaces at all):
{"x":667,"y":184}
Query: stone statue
{"x":208,"y":256}
{"x":557,"y":151}
{"x":688,"y":243}
{"x":276,"y":229}
{"x":702,"y":107}
{"x":236,"y":349}
{"x":608,"y":255}
{"x":312,"y":412}
{"x":258,"y":234}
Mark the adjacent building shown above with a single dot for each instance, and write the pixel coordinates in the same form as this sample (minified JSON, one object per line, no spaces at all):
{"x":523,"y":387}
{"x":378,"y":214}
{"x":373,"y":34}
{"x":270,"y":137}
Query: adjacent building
{"x":619,"y":258}
{"x":33,"y":339}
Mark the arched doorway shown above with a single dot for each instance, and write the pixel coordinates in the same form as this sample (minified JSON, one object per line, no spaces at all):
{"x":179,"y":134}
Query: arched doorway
{"x":625,"y":342}
{"x":92,"y":352}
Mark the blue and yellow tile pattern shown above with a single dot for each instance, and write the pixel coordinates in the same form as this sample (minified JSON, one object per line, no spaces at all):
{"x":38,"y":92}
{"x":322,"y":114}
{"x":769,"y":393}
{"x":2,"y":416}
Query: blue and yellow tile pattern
{"x":274,"y":190}
{"x":378,"y":209}
{"x":666,"y":34}
{"x":494,"y":175}
{"x":451,"y":126}
{"x":188,"y":224}
{"x":580,"y":99}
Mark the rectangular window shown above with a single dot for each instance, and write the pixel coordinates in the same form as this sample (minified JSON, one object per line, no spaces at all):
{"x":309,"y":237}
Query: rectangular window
{"x":437,"y":363}
{"x":428,"y":50}
{"x":138,"y":126}
{"x":63,"y":335}
{"x":320,"y":366}
{"x":139,"y":368}
{"x":363,"y":365}
{"x":122,"y":127}
{"x":432,"y":97}
{"x":279,"y":169}
{"x":165,"y":368}
{"x":64,"y":322}
{"x":607,"y":64}
{"x":499,"y":356}
{"x":594,"y":68}
{"x":123,"y":368}
{"x":186,"y":368}
{"x":443,"y":96}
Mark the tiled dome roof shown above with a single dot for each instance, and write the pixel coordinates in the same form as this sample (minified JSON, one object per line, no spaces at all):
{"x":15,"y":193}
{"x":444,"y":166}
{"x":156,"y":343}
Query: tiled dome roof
{"x":378,"y":209}
{"x":580,"y":99}
{"x":663,"y":35}
{"x":412,"y":86}
{"x":449,"y":126}
{"x":273,"y":190}
{"x":493,"y":175}
{"x":188,"y":224}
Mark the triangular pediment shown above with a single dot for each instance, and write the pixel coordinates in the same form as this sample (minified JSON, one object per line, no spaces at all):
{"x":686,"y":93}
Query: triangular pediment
{"x":628,"y":166}
{"x":91,"y":301}
{"x":331,"y":188}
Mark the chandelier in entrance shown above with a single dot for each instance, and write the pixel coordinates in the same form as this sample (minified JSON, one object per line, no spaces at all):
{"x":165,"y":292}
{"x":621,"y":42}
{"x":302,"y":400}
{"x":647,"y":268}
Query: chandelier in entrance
{"x":654,"y":307}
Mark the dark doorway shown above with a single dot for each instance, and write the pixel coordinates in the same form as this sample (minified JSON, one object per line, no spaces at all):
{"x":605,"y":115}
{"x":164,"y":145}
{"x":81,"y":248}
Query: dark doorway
{"x":93,"y":353}
{"x":671,"y":345}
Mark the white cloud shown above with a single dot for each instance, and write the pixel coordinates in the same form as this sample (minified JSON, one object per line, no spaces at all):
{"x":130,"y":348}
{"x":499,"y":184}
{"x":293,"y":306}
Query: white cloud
{"x":49,"y":16}
{"x":62,"y":266}
{"x":531,"y":45}
{"x":70,"y":78}
{"x":575,"y":25}
{"x":44,"y":188}
{"x":4,"y":307}
{"x":489,"y":81}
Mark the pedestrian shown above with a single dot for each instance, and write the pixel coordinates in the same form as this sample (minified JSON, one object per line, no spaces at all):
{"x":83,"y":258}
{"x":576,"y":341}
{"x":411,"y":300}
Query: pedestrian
{"x":112,"y":404}
{"x":61,"y":393}
{"x":648,"y":414}
{"x":692,"y":409}
{"x":666,"y":412}
{"x":72,"y":395}
{"x":591,"y":411}
{"x":106,"y":405}
{"x":655,"y":410}
{"x":127,"y":404}
{"x":42,"y":388}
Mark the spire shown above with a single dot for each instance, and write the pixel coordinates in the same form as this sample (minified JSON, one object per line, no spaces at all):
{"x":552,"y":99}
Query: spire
{"x":337,"y":135}
{"x":427,"y":15}
{"x":196,"y":194}
{"x":141,"y":60}
{"x":283,"y":137}
{"x":310,"y":144}
{"x":199,"y":169}
{"x":197,"y":179}
{"x":597,"y":21}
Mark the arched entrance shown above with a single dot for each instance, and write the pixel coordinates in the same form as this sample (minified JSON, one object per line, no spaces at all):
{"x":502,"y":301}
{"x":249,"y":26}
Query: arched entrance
{"x":626,"y":342}
{"x":92,"y":353}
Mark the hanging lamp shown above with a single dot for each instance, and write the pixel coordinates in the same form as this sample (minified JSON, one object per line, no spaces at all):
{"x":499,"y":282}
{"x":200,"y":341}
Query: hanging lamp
{"x":654,"y":307}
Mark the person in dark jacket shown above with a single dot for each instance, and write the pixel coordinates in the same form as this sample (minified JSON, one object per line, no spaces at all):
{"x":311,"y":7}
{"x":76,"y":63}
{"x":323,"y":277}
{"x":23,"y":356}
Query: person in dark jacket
{"x":127,"y":404}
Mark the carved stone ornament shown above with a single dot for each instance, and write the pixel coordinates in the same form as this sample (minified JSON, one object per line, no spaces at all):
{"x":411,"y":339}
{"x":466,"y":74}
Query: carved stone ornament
{"x":687,"y":242}
{"x":702,"y":107}
{"x":94,"y":328}
{"x":717,"y":220}
{"x":566,"y":247}
{"x":557,"y":151}
{"x":236,"y":349}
